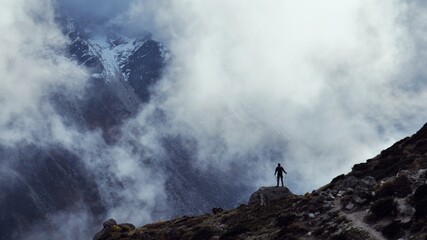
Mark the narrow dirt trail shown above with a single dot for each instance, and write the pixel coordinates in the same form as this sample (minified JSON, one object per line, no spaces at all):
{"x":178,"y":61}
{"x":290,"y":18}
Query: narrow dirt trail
{"x":357,"y":219}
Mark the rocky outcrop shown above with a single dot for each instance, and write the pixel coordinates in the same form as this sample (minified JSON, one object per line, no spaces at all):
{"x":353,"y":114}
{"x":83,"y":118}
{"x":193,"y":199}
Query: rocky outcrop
{"x":347,"y":208}
{"x":266,"y":195}
{"x":104,"y":233}
{"x":111,"y":226}
{"x":384,"y":198}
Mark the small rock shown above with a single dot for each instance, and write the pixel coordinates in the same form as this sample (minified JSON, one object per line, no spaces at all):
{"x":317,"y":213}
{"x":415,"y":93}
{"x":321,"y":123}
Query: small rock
{"x":349,"y":206}
{"x":326,"y":218}
{"x":359,"y":200}
{"x":311,"y":215}
{"x":327,"y":206}
{"x":364,"y":194}
{"x":370,"y":181}
{"x":350,"y":191}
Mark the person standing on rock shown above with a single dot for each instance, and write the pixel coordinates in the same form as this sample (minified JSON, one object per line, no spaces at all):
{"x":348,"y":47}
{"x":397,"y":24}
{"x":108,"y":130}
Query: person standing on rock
{"x":279,"y":171}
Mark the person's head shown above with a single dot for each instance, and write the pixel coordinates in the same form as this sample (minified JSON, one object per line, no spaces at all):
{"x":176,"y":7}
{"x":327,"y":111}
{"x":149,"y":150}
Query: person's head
{"x":278,"y":164}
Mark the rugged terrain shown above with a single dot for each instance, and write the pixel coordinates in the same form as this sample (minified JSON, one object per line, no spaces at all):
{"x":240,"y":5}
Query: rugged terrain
{"x":384,"y":198}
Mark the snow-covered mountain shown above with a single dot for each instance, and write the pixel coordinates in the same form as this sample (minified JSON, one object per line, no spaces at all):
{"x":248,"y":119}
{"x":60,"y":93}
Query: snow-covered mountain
{"x":52,"y":179}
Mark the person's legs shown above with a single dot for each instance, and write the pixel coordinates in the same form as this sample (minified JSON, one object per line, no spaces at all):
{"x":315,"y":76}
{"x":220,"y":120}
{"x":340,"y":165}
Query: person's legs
{"x":282,"y":181}
{"x":277,"y":181}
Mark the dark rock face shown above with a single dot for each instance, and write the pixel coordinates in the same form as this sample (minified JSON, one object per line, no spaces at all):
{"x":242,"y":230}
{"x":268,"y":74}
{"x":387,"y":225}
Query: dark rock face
{"x":79,"y":49}
{"x":144,"y":68}
{"x":406,"y":154}
{"x":266,"y":195}
{"x":40,"y":182}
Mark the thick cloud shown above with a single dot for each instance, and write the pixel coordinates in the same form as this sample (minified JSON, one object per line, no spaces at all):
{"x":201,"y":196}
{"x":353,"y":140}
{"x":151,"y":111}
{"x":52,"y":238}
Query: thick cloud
{"x":32,"y":67}
{"x":316,"y":85}
{"x":311,"y":84}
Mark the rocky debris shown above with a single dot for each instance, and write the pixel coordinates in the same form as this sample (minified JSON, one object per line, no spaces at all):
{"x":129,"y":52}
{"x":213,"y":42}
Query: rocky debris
{"x":345,"y":209}
{"x":266,"y":195}
{"x":384,"y":198}
{"x":349,"y":206}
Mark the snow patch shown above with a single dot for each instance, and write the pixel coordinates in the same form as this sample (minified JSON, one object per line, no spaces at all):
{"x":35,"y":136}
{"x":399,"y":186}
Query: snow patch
{"x":113,"y":53}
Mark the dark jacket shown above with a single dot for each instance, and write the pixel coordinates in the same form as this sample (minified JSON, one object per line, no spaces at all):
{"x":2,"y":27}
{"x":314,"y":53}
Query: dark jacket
{"x":280,"y":171}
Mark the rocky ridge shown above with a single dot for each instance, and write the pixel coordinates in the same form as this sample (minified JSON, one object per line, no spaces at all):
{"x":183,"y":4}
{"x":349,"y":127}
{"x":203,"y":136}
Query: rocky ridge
{"x":384,"y":198}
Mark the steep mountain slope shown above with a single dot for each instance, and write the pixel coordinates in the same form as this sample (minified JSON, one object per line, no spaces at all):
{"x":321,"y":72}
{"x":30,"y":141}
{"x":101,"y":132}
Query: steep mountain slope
{"x":39,"y":182}
{"x":122,"y":73}
{"x":384,"y":198}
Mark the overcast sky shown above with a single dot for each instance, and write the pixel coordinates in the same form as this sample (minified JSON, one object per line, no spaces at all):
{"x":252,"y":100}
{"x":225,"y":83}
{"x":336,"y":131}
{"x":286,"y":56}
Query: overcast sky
{"x":315,"y":85}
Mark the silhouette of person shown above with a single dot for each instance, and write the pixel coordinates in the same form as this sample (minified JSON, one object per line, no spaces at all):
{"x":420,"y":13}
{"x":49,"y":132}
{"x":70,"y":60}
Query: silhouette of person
{"x":279,"y":171}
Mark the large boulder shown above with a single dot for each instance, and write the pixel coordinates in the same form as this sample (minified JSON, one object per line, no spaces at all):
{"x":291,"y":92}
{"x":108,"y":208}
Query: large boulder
{"x":265,"y":195}
{"x":105,"y":232}
{"x":111,"y":228}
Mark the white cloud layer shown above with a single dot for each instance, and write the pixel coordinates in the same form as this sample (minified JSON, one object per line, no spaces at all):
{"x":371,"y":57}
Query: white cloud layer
{"x":33,"y":66}
{"x":317,"y":85}
{"x":326,"y":83}
{"x":30,"y":65}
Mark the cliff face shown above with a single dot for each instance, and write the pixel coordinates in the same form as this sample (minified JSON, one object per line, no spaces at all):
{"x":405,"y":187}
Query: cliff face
{"x":384,"y":198}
